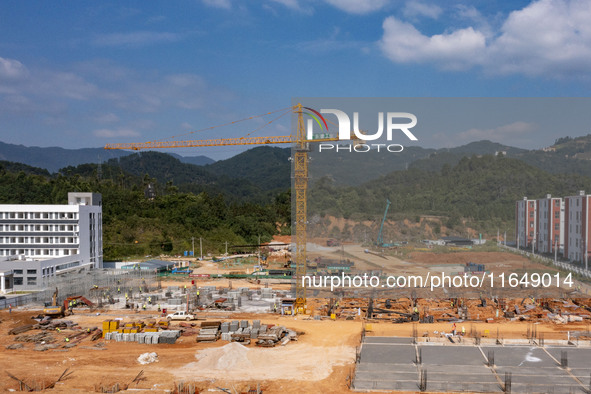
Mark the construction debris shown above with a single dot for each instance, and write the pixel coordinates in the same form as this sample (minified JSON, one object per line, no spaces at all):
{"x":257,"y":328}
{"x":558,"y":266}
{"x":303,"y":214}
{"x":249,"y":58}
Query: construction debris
{"x":147,"y":358}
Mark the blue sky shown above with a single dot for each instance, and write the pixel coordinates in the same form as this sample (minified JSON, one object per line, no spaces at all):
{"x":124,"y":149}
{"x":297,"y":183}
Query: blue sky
{"x":82,"y":74}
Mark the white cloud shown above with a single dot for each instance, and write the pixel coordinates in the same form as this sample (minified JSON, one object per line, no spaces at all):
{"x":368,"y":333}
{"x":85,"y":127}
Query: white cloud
{"x":403,"y":43}
{"x":11,"y":69}
{"x":106,"y":118}
{"x":548,"y":37}
{"x":413,"y":9}
{"x":358,"y":7}
{"x":115,"y":133}
{"x":226,"y":4}
{"x":135,"y":39}
{"x":293,"y":4}
{"x":501,"y":133}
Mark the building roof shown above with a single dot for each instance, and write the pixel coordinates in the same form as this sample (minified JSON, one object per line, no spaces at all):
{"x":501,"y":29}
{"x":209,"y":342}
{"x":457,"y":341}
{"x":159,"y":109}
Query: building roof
{"x":159,"y":265}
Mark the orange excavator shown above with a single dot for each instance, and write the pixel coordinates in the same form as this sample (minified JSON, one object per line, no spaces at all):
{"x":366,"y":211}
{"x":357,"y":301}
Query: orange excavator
{"x":57,"y":311}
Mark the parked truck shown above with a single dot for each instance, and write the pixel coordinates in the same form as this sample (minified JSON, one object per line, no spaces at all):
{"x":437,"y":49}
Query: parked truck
{"x":180,"y":315}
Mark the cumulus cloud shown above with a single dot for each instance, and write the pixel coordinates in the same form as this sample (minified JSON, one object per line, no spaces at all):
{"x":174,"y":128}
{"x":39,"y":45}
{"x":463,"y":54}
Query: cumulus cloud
{"x":547,"y":37}
{"x":413,"y":9}
{"x":403,"y":43}
{"x":358,"y":7}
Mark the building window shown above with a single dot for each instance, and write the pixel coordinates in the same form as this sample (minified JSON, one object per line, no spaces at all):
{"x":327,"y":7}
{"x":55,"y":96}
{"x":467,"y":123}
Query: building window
{"x":556,"y":226}
{"x":557,"y":215}
{"x":18,"y":281}
{"x":531,"y":224}
{"x":531,"y":214}
{"x":31,"y":272}
{"x":18,"y":272}
{"x":31,"y":281}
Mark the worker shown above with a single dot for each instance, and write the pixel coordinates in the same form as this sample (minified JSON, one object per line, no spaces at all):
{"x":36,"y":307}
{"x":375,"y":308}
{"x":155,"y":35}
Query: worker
{"x":88,"y":330}
{"x":275,"y":308}
{"x":453,"y":329}
{"x":197,"y":293}
{"x":416,"y":310}
{"x":9,"y":309}
{"x":119,"y":290}
{"x":144,"y":307}
{"x":158,"y":307}
{"x":67,"y":339}
{"x":150,"y":300}
{"x":95,"y":286}
{"x":140,"y":290}
{"x":58,"y":330}
{"x":126,"y":297}
{"x":463,"y":331}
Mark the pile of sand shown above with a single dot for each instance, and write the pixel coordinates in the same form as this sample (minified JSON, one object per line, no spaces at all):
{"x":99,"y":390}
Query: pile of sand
{"x":237,"y":362}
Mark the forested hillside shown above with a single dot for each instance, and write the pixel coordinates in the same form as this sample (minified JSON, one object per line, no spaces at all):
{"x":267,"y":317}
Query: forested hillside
{"x":135,"y":225}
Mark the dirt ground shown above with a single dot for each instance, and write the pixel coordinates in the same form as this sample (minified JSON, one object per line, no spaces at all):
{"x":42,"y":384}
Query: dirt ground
{"x":321,"y":361}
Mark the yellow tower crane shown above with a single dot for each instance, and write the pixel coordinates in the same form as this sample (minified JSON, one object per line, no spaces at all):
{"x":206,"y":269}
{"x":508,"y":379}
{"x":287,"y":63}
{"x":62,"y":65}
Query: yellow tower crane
{"x":300,"y":174}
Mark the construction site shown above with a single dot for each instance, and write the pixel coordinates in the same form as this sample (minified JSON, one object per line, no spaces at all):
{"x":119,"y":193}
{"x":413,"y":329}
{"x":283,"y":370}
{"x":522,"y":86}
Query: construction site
{"x":309,"y":314}
{"x":111,"y":332}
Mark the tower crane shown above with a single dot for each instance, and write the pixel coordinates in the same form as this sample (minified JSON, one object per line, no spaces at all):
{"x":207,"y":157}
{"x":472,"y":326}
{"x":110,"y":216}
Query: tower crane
{"x":300,"y":179}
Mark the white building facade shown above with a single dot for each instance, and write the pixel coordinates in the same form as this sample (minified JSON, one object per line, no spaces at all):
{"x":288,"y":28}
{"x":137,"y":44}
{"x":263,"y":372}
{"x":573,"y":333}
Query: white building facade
{"x":40,"y":241}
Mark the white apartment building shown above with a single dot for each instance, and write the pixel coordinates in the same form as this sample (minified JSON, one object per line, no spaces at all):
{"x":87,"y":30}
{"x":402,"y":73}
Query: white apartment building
{"x":41,"y":241}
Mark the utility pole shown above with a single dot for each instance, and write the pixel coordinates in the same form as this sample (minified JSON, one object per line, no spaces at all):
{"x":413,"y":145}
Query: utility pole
{"x":200,"y":248}
{"x":505,"y":238}
{"x":193,"y":242}
{"x":226,"y":248}
{"x":555,"y":250}
{"x":259,"y":252}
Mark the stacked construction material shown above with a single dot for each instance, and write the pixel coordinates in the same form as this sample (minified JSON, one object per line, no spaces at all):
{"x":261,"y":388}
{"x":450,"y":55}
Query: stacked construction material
{"x":276,"y":335}
{"x":150,"y":338}
{"x":209,"y":332}
{"x":110,"y":326}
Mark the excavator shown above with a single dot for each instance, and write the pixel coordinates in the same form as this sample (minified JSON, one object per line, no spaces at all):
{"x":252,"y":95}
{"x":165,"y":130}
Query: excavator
{"x":54,"y":310}
{"x":57,"y":311}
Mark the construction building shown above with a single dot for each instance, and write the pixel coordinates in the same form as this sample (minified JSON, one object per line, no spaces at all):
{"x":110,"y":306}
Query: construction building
{"x":576,"y":227}
{"x":38,"y":242}
{"x":525,"y":222}
{"x":550,"y":224}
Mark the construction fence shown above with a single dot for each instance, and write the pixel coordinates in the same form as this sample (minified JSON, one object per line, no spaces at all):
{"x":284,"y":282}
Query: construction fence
{"x":99,"y":286}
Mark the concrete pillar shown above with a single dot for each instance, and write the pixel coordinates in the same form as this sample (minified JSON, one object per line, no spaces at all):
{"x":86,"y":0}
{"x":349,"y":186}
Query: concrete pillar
{"x":2,"y":287}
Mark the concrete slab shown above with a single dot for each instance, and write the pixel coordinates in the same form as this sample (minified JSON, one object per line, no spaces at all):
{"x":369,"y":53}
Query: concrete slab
{"x":543,"y":389}
{"x":398,"y":340}
{"x":388,"y":364}
{"x":520,"y":356}
{"x":378,"y":353}
{"x":577,"y":357}
{"x":538,"y":376}
{"x":386,"y":367}
{"x":392,"y":376}
{"x":452,"y":355}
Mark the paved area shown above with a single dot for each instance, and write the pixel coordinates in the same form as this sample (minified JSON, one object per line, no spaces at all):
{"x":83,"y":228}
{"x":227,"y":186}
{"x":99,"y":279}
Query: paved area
{"x":390,"y":363}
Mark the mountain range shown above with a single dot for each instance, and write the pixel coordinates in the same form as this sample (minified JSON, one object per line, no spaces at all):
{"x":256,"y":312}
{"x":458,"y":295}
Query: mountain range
{"x":267,"y":168}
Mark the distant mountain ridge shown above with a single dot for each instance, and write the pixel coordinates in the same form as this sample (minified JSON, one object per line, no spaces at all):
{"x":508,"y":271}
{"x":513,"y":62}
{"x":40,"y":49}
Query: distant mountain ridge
{"x":268,"y":168}
{"x":55,"y":158}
